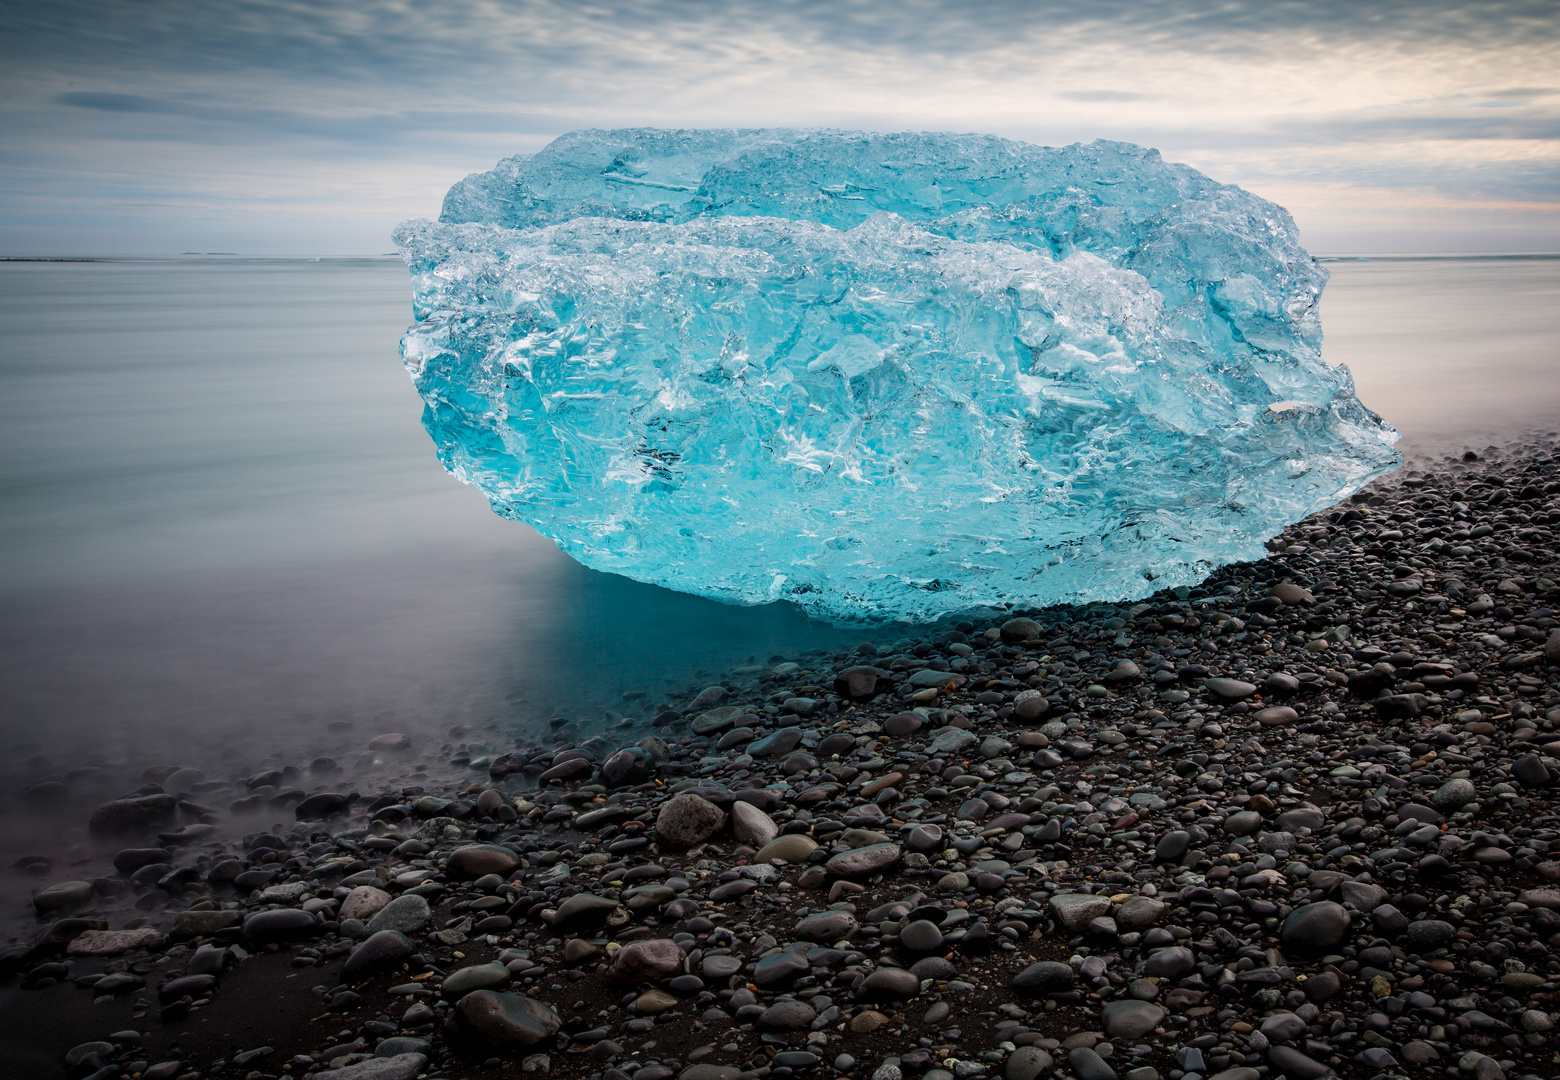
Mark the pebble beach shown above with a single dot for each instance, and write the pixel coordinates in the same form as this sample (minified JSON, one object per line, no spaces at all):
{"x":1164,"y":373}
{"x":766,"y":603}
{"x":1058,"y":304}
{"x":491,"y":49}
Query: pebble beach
{"x":1294,"y":822}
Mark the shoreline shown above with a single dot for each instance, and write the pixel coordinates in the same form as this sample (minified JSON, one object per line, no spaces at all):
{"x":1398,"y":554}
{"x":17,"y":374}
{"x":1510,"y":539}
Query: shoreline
{"x":1112,"y":887}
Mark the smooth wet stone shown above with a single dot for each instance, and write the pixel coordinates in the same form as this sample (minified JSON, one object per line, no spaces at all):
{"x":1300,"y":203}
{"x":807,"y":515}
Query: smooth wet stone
{"x":1426,"y":935}
{"x":861,"y":682}
{"x":787,"y":1016}
{"x":1291,"y":595}
{"x":751,"y":825}
{"x":720,"y":967}
{"x":1230,"y":689}
{"x":133,"y":814}
{"x":791,"y":848}
{"x":1243,"y":823}
{"x":780,"y":969}
{"x":1292,"y":1063}
{"x":1453,"y":795}
{"x":655,"y":1002}
{"x":781,"y":742}
{"x":1138,"y":913}
{"x":477,"y":977}
{"x":920,"y":936}
{"x":189,"y":924}
{"x":951,"y":741}
{"x":1301,"y":817}
{"x":1029,"y":706}
{"x":507,"y":1020}
{"x":1076,"y":910}
{"x":955,"y":882}
{"x":280,"y":924}
{"x":715,"y":720}
{"x":826,"y":927}
{"x":191,"y":985}
{"x":890,"y":984}
{"x":1362,"y":896}
{"x":130,"y":860}
{"x":934,"y":967}
{"x":478,"y":860}
{"x":1130,"y":1019}
{"x":631,"y":765}
{"x":652,"y":960}
{"x":397,"y":1045}
{"x":708,"y":1071}
{"x":119,"y":982}
{"x":1322,"y":925}
{"x":1277,"y":716}
{"x":1088,"y":1065}
{"x":208,"y":960}
{"x":110,"y":942}
{"x":925,"y":838}
{"x":1019,"y":629}
{"x":385,"y":949}
{"x":408,"y":914}
{"x":391,"y":741}
{"x":687,"y":819}
{"x":1170,"y":963}
{"x":863,"y":861}
{"x":1530,"y":772}
{"x":1027,"y":1063}
{"x":1045,"y":977}
{"x":583,"y":911}
{"x":903,"y":724}
{"x":364,"y":902}
{"x":64,"y":894}
{"x":1172,"y":845}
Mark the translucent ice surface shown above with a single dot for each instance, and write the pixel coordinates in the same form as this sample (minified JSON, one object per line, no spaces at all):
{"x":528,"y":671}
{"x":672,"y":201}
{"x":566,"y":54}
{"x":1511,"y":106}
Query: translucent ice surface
{"x":882,"y":376}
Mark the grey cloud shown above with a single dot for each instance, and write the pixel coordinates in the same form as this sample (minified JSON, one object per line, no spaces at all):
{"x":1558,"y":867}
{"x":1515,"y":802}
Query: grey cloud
{"x":1100,"y":95}
{"x":110,"y":84}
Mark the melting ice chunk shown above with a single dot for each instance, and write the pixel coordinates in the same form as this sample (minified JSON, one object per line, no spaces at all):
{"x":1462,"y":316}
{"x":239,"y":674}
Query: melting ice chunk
{"x":882,"y":376}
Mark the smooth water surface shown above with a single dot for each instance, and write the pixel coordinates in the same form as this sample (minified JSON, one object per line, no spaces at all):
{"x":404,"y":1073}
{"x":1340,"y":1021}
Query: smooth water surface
{"x":1454,"y":352}
{"x":223,"y":526}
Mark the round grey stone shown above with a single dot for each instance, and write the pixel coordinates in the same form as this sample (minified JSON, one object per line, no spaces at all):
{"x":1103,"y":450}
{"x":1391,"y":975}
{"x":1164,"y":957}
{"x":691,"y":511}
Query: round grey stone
{"x":1131,"y":1019}
{"x":408,"y":914}
{"x":1453,"y":795}
{"x":686,"y":820}
{"x":1045,"y":977}
{"x":1027,"y":1063}
{"x":891,"y":984}
{"x":826,"y":927}
{"x":920,"y":936}
{"x":1322,"y":925}
{"x":383,"y":949}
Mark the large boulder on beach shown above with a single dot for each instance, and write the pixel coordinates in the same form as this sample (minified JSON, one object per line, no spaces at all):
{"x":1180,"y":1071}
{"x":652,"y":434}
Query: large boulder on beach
{"x":133,"y":814}
{"x":686,"y":820}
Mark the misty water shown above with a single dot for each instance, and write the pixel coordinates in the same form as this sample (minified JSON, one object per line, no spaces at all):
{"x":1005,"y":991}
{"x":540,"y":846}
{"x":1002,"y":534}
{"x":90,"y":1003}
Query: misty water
{"x":228,"y":544}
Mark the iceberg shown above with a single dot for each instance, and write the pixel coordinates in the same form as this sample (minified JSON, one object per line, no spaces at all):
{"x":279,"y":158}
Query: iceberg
{"x":883,"y":376}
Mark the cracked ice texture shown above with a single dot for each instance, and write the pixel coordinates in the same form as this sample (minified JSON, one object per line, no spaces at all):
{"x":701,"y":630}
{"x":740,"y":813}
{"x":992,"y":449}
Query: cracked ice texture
{"x":882,"y":376}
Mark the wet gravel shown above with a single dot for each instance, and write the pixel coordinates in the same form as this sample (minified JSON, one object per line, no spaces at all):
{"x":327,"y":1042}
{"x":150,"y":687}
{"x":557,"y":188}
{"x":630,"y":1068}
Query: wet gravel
{"x":1294,"y":822}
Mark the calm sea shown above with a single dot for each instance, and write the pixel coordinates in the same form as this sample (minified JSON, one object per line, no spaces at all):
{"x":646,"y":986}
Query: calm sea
{"x":223,"y":527}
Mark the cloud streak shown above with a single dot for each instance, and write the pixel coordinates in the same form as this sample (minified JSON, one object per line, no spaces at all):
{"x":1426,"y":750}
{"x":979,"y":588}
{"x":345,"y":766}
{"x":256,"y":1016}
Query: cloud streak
{"x":362,"y":113}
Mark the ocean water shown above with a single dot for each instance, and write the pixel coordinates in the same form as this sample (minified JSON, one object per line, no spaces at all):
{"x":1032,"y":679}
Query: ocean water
{"x":225,"y":531}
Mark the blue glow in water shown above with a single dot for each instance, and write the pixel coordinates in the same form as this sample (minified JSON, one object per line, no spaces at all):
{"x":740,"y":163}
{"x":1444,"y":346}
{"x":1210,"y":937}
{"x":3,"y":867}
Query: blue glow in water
{"x":882,"y":376}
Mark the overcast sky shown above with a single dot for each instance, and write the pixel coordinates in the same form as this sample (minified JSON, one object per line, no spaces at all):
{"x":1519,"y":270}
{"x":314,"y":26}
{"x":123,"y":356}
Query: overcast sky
{"x":314,"y":126}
